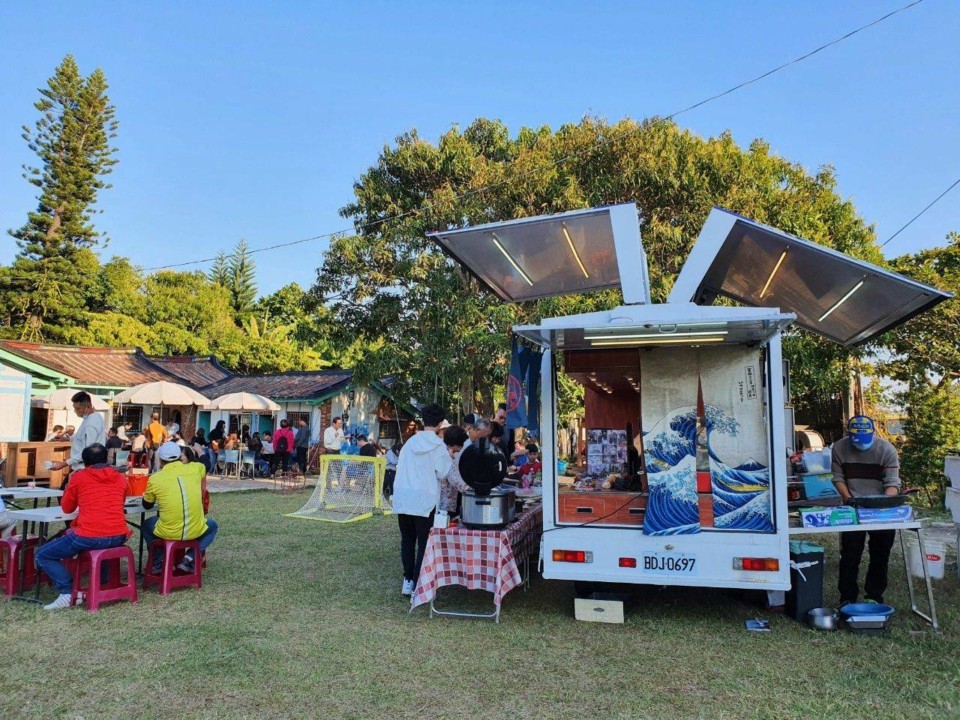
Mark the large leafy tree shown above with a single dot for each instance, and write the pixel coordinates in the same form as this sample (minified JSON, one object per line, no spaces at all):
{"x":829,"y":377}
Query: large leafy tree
{"x":73,"y":143}
{"x":443,"y":335}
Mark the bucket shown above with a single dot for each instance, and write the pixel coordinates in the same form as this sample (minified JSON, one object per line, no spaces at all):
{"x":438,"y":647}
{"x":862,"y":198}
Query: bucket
{"x":136,"y":485}
{"x":936,"y":552}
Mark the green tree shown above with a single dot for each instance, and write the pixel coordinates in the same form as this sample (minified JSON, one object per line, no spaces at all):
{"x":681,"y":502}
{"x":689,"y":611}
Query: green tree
{"x":219,"y":272}
{"x":932,"y":428}
{"x":444,"y":337}
{"x":72,"y":140}
{"x":241,"y":281}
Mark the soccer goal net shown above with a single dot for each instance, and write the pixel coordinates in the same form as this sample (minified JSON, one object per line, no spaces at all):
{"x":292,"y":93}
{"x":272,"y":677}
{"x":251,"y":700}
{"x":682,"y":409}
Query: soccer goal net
{"x":349,"y":488}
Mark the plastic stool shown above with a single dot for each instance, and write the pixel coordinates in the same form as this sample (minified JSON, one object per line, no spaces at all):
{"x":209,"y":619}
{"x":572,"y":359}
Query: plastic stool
{"x":173,"y":552}
{"x":91,"y":561}
{"x":10,"y":549}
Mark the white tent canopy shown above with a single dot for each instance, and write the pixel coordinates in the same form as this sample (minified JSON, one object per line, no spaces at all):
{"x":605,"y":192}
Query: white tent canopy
{"x":61,"y":400}
{"x":243,"y":401}
{"x":161,"y":393}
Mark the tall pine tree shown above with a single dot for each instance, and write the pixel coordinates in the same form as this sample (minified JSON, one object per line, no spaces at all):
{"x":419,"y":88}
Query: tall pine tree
{"x":219,"y":273}
{"x":56,"y":262}
{"x":241,"y":281}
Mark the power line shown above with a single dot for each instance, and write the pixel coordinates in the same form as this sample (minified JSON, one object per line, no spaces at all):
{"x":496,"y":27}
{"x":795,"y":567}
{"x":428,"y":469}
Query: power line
{"x":570,"y":156}
{"x":915,"y":217}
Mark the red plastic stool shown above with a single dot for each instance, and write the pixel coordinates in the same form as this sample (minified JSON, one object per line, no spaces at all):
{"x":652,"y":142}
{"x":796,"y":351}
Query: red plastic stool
{"x":10,"y":549}
{"x":169,"y":577}
{"x":97,"y":592}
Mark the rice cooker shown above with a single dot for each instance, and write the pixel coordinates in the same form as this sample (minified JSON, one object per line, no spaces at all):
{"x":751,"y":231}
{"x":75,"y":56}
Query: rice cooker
{"x":485,"y":506}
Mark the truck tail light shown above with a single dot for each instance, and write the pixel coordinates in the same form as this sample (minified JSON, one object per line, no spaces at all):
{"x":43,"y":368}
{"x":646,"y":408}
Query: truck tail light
{"x":628,"y":562}
{"x":572,"y":556}
{"x":758,"y":564}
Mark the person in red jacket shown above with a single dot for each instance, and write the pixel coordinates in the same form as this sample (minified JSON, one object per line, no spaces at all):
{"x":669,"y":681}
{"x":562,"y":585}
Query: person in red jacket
{"x":283,"y":444}
{"x":98,"y":491}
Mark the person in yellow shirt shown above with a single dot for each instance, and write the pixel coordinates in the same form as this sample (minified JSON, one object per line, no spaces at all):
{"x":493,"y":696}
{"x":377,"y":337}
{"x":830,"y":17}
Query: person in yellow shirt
{"x":156,"y":436}
{"x":177,"y":491}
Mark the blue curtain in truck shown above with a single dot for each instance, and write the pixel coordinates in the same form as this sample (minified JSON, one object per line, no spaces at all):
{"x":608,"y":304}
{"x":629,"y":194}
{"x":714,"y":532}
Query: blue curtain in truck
{"x":533,"y":391}
{"x":516,"y":395}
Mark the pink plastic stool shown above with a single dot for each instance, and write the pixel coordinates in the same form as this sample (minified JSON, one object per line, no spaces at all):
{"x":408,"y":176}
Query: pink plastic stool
{"x":169,"y":577}
{"x":91,"y":562}
{"x":10,"y":549}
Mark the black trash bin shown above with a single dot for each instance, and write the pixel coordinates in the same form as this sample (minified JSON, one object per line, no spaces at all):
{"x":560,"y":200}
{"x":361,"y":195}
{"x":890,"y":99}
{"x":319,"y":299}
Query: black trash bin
{"x":806,"y":579}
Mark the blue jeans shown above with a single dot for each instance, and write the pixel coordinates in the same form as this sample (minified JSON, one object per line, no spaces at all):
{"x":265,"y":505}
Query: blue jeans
{"x":149,"y":535}
{"x":50,"y":556}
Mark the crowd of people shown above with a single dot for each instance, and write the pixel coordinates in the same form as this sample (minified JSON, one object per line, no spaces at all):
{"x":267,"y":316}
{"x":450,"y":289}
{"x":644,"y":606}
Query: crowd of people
{"x":97,"y":491}
{"x":423,"y":475}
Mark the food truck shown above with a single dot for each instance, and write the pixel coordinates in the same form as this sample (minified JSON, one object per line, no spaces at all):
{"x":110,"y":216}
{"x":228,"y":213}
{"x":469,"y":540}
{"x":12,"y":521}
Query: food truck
{"x":684,"y":401}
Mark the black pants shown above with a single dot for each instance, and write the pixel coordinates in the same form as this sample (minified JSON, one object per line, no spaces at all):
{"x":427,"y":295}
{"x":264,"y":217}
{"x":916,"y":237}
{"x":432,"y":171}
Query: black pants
{"x":414,"y":531}
{"x":388,"y":478}
{"x":302,"y":459}
{"x":284,"y":459}
{"x":851,"y":550}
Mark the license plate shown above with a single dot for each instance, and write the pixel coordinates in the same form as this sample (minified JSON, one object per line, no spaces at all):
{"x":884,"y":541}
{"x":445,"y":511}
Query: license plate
{"x":670,"y":564}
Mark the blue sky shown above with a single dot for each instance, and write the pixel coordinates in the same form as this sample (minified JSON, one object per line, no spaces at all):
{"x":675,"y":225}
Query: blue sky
{"x":242,"y":119}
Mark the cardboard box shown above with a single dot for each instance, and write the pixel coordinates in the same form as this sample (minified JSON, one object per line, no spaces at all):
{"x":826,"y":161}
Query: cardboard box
{"x":903,"y":513}
{"x":828,"y":516}
{"x":600,"y":607}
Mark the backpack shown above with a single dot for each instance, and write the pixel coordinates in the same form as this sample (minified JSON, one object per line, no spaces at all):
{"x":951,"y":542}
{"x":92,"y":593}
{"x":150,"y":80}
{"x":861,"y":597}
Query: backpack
{"x":281,"y":444}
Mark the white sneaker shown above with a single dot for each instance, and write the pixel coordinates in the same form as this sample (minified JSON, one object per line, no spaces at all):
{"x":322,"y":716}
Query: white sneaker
{"x":407,"y":588}
{"x":61,"y":603}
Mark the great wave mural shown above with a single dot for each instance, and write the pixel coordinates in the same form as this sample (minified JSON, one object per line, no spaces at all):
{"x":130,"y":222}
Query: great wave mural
{"x":741,"y":494}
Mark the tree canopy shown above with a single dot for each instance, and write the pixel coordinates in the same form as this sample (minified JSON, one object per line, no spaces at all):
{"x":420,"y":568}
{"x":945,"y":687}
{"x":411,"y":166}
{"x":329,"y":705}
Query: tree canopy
{"x":446,"y":335}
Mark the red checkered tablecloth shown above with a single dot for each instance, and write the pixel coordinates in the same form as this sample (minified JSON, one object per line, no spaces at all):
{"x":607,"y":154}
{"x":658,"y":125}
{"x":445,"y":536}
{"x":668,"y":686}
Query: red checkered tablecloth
{"x":478,"y":559}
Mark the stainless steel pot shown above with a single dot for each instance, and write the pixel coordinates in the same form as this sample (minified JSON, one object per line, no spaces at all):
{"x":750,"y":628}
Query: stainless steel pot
{"x":488,"y":512}
{"x":822,"y":618}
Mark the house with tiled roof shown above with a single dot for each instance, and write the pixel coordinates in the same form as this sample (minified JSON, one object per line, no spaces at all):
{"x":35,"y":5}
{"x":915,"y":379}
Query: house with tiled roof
{"x":315,"y":396}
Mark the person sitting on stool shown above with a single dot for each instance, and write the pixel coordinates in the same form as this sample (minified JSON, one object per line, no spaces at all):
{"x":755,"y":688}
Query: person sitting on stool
{"x":864,"y":464}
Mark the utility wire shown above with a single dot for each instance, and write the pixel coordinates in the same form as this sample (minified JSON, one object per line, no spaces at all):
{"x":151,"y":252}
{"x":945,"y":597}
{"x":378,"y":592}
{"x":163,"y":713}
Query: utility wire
{"x":570,"y":156}
{"x":915,"y":217}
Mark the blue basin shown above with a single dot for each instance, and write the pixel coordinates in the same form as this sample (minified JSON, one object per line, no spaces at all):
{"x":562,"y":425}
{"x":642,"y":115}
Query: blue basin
{"x":864,"y":609}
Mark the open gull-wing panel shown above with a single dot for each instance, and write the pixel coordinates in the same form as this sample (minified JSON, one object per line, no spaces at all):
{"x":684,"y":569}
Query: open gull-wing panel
{"x":548,"y":255}
{"x":845,"y":300}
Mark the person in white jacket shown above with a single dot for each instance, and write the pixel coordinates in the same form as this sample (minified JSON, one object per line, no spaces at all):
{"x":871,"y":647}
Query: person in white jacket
{"x":423,"y":463}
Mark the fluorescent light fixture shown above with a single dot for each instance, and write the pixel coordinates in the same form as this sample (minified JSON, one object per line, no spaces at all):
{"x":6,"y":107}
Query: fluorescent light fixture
{"x":509,"y":257}
{"x":776,"y":268}
{"x":841,"y":301}
{"x":576,"y":255}
{"x":677,"y":329}
{"x":644,"y":336}
{"x":656,"y":341}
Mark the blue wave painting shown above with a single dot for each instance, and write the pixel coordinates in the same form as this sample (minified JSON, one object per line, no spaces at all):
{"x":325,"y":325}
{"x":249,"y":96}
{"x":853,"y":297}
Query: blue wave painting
{"x":741,"y":495}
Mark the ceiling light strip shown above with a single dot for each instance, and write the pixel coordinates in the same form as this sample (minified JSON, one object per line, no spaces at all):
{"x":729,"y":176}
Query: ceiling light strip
{"x":776,"y":268}
{"x":841,"y":301}
{"x":576,"y":255}
{"x":644,"y":336}
{"x":509,"y":257}
{"x":657,"y":341}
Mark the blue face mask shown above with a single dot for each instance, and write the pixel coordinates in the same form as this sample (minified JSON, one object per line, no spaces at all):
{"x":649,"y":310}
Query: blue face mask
{"x":862,"y":432}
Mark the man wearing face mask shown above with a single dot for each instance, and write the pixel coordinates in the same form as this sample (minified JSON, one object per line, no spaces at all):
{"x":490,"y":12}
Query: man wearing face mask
{"x":864,"y":464}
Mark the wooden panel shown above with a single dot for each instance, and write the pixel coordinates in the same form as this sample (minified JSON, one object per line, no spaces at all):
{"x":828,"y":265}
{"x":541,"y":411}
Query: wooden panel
{"x":25,"y":463}
{"x":586,"y":361}
{"x":615,"y":508}
{"x":601,"y":410}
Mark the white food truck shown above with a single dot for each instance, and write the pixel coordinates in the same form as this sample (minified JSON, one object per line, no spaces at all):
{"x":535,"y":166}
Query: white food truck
{"x":686,"y":446}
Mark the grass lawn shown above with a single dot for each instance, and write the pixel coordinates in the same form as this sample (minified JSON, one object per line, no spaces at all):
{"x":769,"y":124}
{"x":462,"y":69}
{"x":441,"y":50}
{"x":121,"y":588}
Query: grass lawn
{"x":301,"y":619}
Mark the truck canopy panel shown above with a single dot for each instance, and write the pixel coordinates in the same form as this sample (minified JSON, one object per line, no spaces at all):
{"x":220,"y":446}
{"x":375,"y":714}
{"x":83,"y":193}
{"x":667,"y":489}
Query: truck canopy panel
{"x":574,"y":252}
{"x":845,"y":300}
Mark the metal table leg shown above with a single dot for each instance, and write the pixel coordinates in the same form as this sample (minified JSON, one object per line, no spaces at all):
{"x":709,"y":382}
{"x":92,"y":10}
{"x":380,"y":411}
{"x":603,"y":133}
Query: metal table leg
{"x":932,"y":617}
{"x":495,"y":615}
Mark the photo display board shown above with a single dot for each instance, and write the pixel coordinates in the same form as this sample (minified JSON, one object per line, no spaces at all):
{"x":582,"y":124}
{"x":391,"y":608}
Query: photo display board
{"x":606,"y":451}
